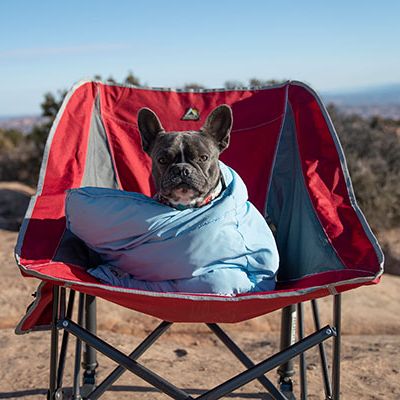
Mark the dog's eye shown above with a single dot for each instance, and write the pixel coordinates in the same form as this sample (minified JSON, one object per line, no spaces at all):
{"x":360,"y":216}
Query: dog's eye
{"x":162,"y":160}
{"x":203,"y":157}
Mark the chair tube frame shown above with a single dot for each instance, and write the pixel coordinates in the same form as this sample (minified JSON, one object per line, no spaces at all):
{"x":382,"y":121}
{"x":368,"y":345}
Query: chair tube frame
{"x":322,"y":352}
{"x":61,"y":319}
{"x":89,"y":363}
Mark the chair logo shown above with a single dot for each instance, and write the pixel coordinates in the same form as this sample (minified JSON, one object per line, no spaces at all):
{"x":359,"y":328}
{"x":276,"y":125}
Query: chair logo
{"x":192,"y":114}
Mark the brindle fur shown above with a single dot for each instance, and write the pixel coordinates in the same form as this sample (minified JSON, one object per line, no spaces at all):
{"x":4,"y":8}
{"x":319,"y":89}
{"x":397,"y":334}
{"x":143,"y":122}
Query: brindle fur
{"x":185,"y":164}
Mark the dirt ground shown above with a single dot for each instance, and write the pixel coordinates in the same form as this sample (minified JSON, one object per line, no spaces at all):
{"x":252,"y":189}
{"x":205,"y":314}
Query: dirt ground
{"x":189,"y":355}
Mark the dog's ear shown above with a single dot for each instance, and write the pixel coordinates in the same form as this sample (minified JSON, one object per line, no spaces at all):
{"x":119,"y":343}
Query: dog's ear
{"x":218,"y":125}
{"x":149,"y":127}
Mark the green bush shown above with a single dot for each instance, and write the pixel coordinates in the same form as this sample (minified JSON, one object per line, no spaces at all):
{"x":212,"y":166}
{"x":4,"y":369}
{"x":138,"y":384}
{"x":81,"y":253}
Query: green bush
{"x":19,"y":158}
{"x":372,"y":149}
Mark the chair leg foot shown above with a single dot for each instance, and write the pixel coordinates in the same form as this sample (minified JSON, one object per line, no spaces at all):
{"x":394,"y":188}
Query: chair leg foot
{"x":286,"y":387}
{"x":89,"y":383}
{"x":58,"y":395}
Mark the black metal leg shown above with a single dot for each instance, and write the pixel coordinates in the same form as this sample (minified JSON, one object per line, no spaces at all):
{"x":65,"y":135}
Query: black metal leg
{"x":288,"y":336}
{"x":254,"y":371}
{"x":54,"y":345}
{"x":234,"y":383}
{"x":117,"y":372}
{"x":263,"y":367}
{"x":231,"y":345}
{"x":89,"y":363}
{"x":322,"y":353}
{"x":303,"y":365}
{"x":126,"y":362}
{"x":337,"y":311}
{"x":62,"y":301}
{"x":64,"y":343}
{"x":76,"y":389}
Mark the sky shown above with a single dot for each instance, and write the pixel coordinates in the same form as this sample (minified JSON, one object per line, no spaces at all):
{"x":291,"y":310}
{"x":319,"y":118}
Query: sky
{"x":46,"y":46}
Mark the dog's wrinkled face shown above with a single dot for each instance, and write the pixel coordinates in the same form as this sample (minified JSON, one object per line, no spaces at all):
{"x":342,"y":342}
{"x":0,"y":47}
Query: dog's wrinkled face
{"x":185,"y":164}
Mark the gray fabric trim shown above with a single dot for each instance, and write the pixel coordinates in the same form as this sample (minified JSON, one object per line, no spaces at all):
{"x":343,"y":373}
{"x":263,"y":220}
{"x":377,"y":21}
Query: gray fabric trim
{"x":99,"y":167}
{"x":179,"y":90}
{"x":281,"y":293}
{"x":346,"y":174}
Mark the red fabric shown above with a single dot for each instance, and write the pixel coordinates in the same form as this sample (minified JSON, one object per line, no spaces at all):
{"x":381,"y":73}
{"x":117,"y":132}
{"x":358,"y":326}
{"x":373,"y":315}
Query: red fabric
{"x":326,"y":183}
{"x":63,"y":171}
{"x":67,"y":157}
{"x":39,"y":313}
{"x":265,"y":109}
{"x":182,"y":310}
{"x":45,"y":228}
{"x":196,"y":309}
{"x":251,"y":154}
{"x":185,"y":310}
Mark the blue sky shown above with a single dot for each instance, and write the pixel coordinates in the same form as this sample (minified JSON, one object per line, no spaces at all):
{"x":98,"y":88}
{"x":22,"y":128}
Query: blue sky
{"x":49,"y":45}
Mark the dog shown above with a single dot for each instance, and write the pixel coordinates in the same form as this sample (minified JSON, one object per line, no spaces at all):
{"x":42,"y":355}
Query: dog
{"x":185,"y":165}
{"x":199,"y":246}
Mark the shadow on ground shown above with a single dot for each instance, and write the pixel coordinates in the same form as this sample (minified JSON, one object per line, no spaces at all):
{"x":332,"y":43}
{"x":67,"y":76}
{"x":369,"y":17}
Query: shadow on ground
{"x":125,"y":388}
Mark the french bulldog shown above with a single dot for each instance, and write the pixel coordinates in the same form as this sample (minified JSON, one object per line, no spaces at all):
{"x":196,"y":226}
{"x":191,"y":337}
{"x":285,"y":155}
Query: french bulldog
{"x":185,"y":165}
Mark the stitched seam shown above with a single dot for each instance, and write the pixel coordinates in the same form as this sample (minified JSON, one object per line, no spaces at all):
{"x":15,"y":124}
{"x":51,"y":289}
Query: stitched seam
{"x":259,"y":125}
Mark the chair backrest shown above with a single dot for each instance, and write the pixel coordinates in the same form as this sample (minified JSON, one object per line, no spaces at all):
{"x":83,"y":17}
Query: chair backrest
{"x":282,"y":144}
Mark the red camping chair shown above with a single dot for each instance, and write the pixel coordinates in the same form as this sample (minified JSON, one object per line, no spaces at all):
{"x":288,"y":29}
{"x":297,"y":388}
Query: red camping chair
{"x":284,"y":147}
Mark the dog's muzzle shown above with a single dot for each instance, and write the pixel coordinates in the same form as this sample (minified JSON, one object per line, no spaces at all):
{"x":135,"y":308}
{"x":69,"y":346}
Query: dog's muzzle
{"x":182,"y":175}
{"x":181,"y":170}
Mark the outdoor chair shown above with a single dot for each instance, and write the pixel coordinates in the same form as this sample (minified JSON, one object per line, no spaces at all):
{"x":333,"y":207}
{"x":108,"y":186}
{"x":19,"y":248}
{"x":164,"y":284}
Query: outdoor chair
{"x":284,"y":147}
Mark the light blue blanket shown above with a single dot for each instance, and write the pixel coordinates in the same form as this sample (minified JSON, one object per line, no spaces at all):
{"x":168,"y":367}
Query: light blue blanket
{"x":224,"y":247}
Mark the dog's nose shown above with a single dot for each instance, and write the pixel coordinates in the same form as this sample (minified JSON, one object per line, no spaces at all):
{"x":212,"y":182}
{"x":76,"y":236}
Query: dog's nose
{"x":185,"y":171}
{"x":181,"y":170}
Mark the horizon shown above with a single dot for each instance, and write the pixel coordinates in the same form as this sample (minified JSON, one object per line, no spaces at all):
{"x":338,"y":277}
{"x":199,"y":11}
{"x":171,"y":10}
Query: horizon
{"x":332,"y":47}
{"x":332,"y":93}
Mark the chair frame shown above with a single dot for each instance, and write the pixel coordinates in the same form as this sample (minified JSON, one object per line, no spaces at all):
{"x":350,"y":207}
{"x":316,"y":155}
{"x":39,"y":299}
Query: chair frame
{"x":84,"y":330}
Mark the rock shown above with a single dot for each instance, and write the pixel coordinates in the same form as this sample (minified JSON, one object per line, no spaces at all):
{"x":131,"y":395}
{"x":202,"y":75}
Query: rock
{"x":14,"y":201}
{"x":180,"y":352}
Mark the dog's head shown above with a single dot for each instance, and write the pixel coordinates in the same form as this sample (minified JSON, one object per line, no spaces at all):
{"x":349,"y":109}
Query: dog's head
{"x":185,"y":163}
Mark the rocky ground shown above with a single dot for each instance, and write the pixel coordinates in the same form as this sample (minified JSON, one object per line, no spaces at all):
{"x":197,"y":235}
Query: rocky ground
{"x":189,"y":355}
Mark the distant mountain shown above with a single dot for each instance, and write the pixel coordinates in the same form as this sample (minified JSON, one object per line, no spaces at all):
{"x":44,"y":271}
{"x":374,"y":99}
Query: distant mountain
{"x":381,"y":100}
{"x":384,"y":94}
{"x":23,"y":123}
